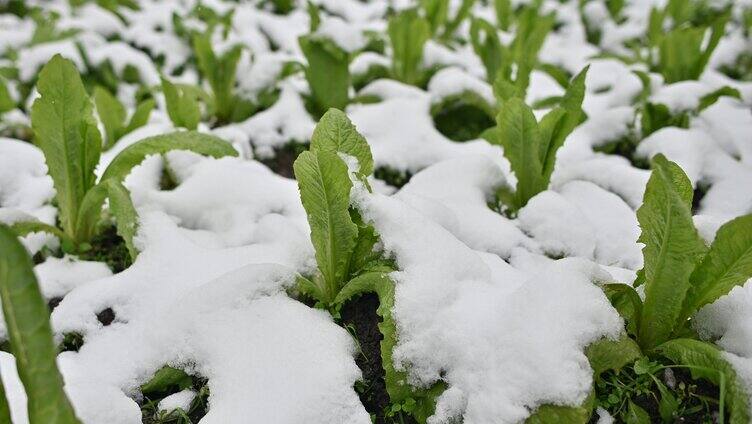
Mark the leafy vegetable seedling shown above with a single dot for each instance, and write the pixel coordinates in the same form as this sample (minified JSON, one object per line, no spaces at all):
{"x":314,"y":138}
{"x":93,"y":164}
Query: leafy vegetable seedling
{"x":327,"y":73}
{"x":112,"y":114}
{"x":680,"y":276}
{"x":220,"y":71}
{"x":531,"y":146}
{"x":27,"y":319}
{"x":408,"y":33}
{"x":65,"y":130}
{"x":348,"y":262}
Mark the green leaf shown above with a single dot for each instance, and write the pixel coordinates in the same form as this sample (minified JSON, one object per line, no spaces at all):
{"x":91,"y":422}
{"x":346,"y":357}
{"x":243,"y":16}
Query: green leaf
{"x":65,"y":130}
{"x":488,"y":47}
{"x":560,"y":122}
{"x":436,"y":12}
{"x":605,"y":355}
{"x":140,"y":116}
{"x":520,"y":137}
{"x":668,"y":404}
{"x":706,"y":361}
{"x":364,"y":283}
{"x":452,"y":24}
{"x":727,"y":264}
{"x":182,"y":105}
{"x":710,"y":98}
{"x":4,"y":408}
{"x":314,"y":15}
{"x":165,"y":380}
{"x":336,"y":134}
{"x":6,"y":101}
{"x":408,"y":33}
{"x":27,"y":319}
{"x":328,"y":72}
{"x":112,"y":114}
{"x":325,"y":192}
{"x":627,"y":302}
{"x":672,"y":248}
{"x":220,"y":71}
{"x":559,"y":414}
{"x":23,"y":228}
{"x":657,"y":116}
{"x":203,"y":144}
{"x":680,"y":52}
{"x":126,"y":218}
{"x":504,"y":13}
{"x":636,"y":415}
{"x":396,"y":381}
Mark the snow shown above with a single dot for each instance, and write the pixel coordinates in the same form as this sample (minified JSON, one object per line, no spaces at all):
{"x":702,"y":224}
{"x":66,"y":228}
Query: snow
{"x":498,"y":308}
{"x":180,"y":400}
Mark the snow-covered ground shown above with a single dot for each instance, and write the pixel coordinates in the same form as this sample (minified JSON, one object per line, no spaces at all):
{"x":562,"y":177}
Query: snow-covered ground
{"x":481,"y":303}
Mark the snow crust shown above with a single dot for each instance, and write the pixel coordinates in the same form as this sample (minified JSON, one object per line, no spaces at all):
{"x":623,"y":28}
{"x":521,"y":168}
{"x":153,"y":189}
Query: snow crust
{"x":498,"y":308}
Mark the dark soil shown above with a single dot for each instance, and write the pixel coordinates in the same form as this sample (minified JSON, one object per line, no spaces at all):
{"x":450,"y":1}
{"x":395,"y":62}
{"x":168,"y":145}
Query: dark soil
{"x":392,"y":177}
{"x":460,"y":121}
{"x":108,"y":247}
{"x":697,"y":401}
{"x":284,"y":157}
{"x":106,"y":317}
{"x":359,"y":316}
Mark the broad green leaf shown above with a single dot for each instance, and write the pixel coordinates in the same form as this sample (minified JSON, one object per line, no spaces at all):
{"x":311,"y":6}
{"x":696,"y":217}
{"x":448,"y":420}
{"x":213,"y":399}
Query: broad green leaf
{"x":706,"y":361}
{"x":364,"y":283}
{"x":27,"y":319}
{"x":126,"y":218}
{"x":6,"y":101}
{"x":336,"y":134}
{"x":559,"y":414}
{"x":396,"y":381}
{"x":112,"y":114}
{"x":328,"y":72}
{"x":23,"y":228}
{"x":504,"y":13}
{"x":710,"y":98}
{"x":635,"y":414}
{"x":436,"y":12}
{"x":672,"y":248}
{"x":488,"y":47}
{"x":140,"y":116}
{"x":728,"y":264}
{"x":520,"y":137}
{"x":65,"y":130}
{"x":655,"y":116}
{"x":452,"y":24}
{"x":193,"y":141}
{"x":605,"y":355}
{"x":4,"y":408}
{"x":556,"y":126}
{"x":220,"y":71}
{"x":408,"y":33}
{"x":166,"y":379}
{"x":182,"y":105}
{"x":627,"y":302}
{"x":325,"y":192}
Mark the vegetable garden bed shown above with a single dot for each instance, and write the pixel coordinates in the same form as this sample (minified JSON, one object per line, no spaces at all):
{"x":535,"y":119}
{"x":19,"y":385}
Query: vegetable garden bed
{"x":345,"y":212}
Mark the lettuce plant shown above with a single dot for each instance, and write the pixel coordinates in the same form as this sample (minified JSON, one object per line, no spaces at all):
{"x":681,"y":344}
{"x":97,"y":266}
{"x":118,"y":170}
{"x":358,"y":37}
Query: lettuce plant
{"x":220,"y":72}
{"x":327,"y":73}
{"x":436,"y":12}
{"x":66,"y":132}
{"x":27,"y":318}
{"x":113,"y":115}
{"x":348,"y":263}
{"x":680,"y":275}
{"x":509,"y":67}
{"x":408,"y":33}
{"x":182,"y":104}
{"x":683,"y":52}
{"x":654,"y":116}
{"x":530,"y":146}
